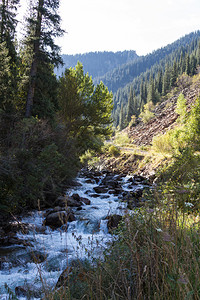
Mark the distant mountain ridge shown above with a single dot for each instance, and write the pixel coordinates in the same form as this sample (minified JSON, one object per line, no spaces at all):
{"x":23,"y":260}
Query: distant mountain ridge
{"x":98,"y":63}
{"x":125,"y":74}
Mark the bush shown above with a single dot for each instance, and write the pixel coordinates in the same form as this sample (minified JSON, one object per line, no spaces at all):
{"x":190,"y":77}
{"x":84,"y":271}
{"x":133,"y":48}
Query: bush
{"x":121,"y":139}
{"x":147,"y":114}
{"x":114,"y":151}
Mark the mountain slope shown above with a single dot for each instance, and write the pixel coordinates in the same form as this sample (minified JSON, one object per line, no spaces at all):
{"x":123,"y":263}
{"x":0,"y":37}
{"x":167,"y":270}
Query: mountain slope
{"x":97,"y":63}
{"x":165,"y":115}
{"x":125,"y":74}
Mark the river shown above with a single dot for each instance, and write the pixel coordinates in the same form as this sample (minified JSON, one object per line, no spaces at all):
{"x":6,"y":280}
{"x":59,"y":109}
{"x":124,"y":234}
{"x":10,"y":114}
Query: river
{"x":31,"y":268}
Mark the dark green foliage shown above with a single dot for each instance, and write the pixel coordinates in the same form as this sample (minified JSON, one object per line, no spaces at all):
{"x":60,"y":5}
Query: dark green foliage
{"x":38,"y":166}
{"x":122,"y":123}
{"x":8,"y":22}
{"x":131,"y":106}
{"x":8,"y":54}
{"x":43,"y":27}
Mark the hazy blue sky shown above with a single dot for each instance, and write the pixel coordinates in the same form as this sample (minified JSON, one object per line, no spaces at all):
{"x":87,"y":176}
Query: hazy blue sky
{"x":116,"y":25}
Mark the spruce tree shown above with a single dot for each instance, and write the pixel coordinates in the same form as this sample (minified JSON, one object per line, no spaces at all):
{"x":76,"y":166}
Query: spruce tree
{"x":130,"y":107}
{"x":174,"y":74}
{"x":187,"y":64}
{"x":8,"y":23}
{"x":166,"y":80}
{"x":151,"y":90}
{"x":9,"y":59}
{"x":121,"y":117}
{"x":43,"y":27}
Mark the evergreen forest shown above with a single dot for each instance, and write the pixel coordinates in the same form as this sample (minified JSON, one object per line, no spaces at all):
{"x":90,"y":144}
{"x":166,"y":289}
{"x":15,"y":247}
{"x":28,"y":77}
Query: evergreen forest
{"x":103,"y":144}
{"x":46,"y":123}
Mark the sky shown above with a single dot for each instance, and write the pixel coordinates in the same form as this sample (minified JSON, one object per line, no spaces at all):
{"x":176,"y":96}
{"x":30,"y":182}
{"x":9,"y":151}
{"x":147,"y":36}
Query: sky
{"x":118,"y":25}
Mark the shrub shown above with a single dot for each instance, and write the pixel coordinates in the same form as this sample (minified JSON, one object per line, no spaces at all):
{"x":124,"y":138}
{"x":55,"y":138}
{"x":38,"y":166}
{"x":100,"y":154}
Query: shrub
{"x":147,"y":114}
{"x":114,"y":151}
{"x":121,"y":139}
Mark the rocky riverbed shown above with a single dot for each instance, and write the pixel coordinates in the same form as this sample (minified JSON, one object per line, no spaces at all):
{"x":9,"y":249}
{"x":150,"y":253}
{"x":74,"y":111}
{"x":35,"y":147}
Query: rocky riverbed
{"x":36,"y":249}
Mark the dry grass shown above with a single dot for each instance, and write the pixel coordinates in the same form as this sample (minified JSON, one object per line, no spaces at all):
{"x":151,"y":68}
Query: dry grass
{"x":156,"y":257}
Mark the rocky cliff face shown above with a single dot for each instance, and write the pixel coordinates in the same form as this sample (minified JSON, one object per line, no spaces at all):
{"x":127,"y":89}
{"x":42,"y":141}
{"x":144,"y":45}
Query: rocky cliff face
{"x":165,"y":115}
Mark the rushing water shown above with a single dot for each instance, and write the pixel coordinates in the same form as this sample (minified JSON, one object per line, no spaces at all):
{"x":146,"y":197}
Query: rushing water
{"x":88,"y":234}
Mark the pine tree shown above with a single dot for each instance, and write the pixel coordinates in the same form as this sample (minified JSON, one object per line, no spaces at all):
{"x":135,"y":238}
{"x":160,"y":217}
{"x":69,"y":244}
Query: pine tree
{"x":121,"y":118}
{"x":166,"y":80}
{"x":151,"y":90}
{"x":159,"y":81}
{"x":130,"y":107}
{"x":4,"y":76}
{"x":8,"y":22}
{"x":187,"y":64}
{"x":43,"y":27}
{"x":193,"y":65}
{"x":9,"y":59}
{"x":174,"y":74}
{"x":198,"y":54}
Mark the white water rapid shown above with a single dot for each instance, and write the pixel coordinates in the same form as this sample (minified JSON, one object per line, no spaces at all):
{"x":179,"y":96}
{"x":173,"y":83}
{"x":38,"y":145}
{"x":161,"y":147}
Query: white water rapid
{"x":54,"y":249}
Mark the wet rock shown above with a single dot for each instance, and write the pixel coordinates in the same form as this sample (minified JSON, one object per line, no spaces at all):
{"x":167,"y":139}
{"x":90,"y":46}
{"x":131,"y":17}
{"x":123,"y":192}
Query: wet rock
{"x":100,"y":190}
{"x":10,"y":241}
{"x":139,"y":178}
{"x":133,"y":198}
{"x":76,"y":197}
{"x":79,"y":208}
{"x":40,"y":229}
{"x":85,"y":201}
{"x":118,"y":191}
{"x":37,"y":256}
{"x":57,"y":219}
{"x":111,"y":192}
{"x":105,"y":197}
{"x":20,"y":291}
{"x":88,"y":192}
{"x":94,"y":195}
{"x":90,"y":181}
{"x":28,"y":291}
{"x":113,"y":222}
{"x":73,"y":201}
{"x":15,"y":227}
{"x":61,"y":201}
{"x":131,"y":179}
{"x":4,"y":264}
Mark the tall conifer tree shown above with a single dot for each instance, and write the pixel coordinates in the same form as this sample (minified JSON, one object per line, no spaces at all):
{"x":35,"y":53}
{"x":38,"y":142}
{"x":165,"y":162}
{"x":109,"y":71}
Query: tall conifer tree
{"x":43,"y":27}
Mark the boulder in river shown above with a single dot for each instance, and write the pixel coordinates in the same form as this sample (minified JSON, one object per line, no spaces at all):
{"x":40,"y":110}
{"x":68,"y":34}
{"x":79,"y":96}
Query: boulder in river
{"x":100,"y":189}
{"x":57,"y":219}
{"x":20,"y":291}
{"x":113,"y":222}
{"x":85,"y":201}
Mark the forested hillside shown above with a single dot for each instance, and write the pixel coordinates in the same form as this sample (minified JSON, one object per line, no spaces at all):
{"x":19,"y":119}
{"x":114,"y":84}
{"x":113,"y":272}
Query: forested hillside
{"x":97,"y":63}
{"x":156,"y":75}
{"x":125,"y":74}
{"x":134,"y":80}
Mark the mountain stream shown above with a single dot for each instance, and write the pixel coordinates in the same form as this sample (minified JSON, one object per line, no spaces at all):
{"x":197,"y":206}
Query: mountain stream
{"x":37,"y":264}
